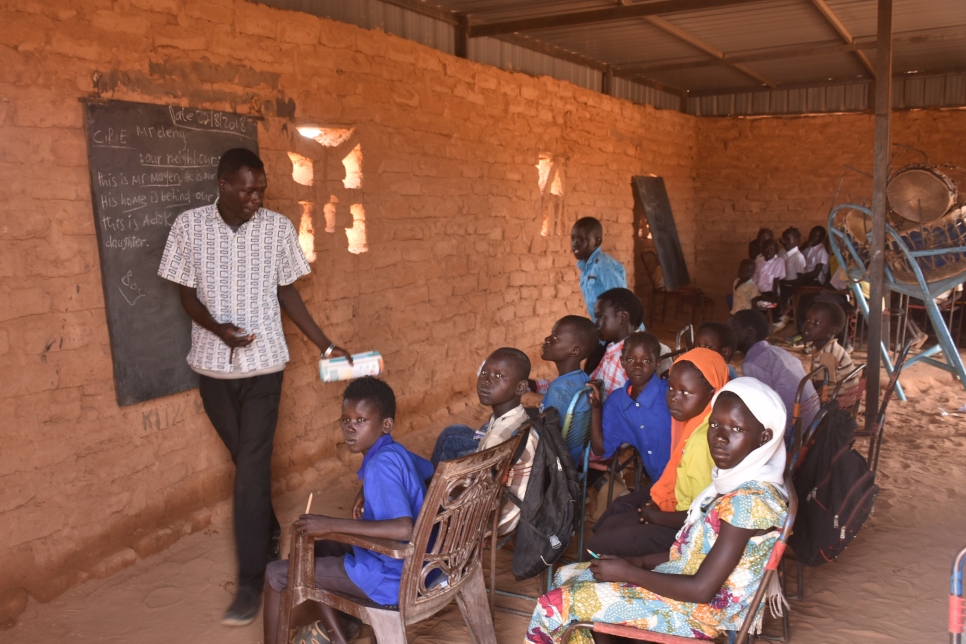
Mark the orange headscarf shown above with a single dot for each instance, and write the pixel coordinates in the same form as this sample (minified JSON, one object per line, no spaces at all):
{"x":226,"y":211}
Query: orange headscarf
{"x":714,"y":369}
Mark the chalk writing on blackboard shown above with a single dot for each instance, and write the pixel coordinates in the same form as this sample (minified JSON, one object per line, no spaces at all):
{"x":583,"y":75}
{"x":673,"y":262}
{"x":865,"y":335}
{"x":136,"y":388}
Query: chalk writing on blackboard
{"x":148,"y":164}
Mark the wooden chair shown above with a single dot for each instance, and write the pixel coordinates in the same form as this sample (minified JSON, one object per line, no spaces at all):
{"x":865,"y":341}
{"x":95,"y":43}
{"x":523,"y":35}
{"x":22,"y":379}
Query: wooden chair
{"x":771,"y":568}
{"x":442,"y":562}
{"x":693,"y":294}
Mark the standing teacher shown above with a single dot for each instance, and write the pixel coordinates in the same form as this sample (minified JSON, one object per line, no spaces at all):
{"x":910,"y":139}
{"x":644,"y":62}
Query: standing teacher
{"x":236,"y":263}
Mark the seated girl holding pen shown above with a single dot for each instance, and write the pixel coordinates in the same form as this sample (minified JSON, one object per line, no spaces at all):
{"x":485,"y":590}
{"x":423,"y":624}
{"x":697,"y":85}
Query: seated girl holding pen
{"x":704,"y":584}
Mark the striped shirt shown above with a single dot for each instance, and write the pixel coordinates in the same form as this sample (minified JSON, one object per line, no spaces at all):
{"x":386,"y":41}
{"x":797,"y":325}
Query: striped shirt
{"x":236,"y":275}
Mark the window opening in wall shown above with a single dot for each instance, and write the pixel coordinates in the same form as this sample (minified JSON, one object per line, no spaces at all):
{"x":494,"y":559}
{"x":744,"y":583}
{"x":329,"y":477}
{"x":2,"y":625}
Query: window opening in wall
{"x":353,"y":168}
{"x":307,"y":231}
{"x":329,"y":211}
{"x":357,"y":234}
{"x":550,"y":179}
{"x":303,"y":172}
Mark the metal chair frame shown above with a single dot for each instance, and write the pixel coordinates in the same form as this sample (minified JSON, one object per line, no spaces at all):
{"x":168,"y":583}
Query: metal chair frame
{"x":956,"y":605}
{"x":922,"y":290}
{"x":448,"y":537}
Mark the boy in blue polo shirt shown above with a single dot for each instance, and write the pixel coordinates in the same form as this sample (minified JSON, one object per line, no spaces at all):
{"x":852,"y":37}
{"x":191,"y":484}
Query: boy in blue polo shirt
{"x":636,"y":413}
{"x":394,"y":485}
{"x":599,"y":271}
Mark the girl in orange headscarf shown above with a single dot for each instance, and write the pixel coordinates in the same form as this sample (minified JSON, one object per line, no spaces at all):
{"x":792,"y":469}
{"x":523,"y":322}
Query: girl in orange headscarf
{"x":646,"y":521}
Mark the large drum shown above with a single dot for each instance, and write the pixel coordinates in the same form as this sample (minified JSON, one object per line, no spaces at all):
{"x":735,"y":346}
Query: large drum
{"x":920,"y":193}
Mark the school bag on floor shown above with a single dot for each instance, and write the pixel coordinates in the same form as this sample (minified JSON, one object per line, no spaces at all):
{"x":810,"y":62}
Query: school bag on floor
{"x":836,"y":491}
{"x":548,"y":511}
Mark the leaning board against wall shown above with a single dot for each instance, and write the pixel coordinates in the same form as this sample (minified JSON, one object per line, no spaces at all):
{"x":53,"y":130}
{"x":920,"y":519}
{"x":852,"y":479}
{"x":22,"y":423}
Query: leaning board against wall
{"x":149,"y":163}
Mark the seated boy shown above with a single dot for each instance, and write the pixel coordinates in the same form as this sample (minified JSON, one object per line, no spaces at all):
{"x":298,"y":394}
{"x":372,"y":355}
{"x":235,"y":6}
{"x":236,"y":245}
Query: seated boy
{"x":501,"y":383}
{"x":720,"y":338}
{"x":744,"y":290}
{"x":394,"y":485}
{"x":816,"y":258}
{"x":823,"y":322}
{"x":636,"y":414}
{"x":572,"y":339}
{"x":769,"y":273}
{"x":618,"y":313}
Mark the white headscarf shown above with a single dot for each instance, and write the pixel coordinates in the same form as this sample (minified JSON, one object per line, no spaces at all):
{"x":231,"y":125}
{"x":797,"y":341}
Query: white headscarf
{"x":766,"y":463}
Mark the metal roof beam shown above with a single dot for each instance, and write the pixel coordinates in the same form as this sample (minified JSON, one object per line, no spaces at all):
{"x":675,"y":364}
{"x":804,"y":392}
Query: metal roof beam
{"x":796,"y":51}
{"x":426,"y":9}
{"x":833,"y":20}
{"x":598,"y":15}
{"x":697,"y":43}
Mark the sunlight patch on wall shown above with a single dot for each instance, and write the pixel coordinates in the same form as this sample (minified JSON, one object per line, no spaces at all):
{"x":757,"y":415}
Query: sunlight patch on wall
{"x":357,"y":234}
{"x":353,"y":168}
{"x":302,"y":169}
{"x":307,"y":231}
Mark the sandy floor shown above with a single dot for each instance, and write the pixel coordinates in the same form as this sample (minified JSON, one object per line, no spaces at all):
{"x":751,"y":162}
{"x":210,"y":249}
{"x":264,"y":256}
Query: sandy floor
{"x":890,"y":585}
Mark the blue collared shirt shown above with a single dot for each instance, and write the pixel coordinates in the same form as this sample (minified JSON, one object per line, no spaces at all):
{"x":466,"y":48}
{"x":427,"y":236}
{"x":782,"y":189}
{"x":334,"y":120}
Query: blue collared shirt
{"x":598,"y":273}
{"x":644,"y":422}
{"x":394,"y":487}
{"x":560,"y":394}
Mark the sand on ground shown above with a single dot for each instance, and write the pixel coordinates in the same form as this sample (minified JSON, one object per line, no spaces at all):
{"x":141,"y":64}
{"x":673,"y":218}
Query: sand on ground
{"x":890,"y":585}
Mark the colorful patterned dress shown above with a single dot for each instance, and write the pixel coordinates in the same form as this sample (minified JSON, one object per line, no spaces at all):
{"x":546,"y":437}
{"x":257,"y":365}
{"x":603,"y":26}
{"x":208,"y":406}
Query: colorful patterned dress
{"x":577,"y":597}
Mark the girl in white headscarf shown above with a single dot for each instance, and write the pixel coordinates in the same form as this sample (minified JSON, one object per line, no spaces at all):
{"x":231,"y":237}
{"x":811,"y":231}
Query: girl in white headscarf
{"x":703,"y":586}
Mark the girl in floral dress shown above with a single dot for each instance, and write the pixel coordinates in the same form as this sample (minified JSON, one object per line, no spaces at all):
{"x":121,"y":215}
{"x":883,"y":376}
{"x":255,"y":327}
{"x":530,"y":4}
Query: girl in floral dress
{"x":704,"y":584}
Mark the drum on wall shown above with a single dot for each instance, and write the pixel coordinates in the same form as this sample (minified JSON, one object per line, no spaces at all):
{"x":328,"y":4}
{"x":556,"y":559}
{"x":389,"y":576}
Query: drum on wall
{"x":920,"y":193}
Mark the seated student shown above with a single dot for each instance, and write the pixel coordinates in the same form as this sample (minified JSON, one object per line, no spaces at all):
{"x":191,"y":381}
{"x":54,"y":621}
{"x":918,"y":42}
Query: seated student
{"x":501,"y":383}
{"x":618,"y":313}
{"x":394,"y":485}
{"x":794,"y":268}
{"x":822,"y":323}
{"x":773,"y":366}
{"x":703,"y":584}
{"x":645,"y":521}
{"x":769,"y":274}
{"x":572,"y":339}
{"x":720,"y":338}
{"x":744,"y":290}
{"x":636,"y":413}
{"x":754,"y":246}
{"x":816,"y":258}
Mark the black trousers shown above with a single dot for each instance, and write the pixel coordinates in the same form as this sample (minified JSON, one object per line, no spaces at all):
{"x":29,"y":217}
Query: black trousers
{"x":619,"y":530}
{"x":244,"y":413}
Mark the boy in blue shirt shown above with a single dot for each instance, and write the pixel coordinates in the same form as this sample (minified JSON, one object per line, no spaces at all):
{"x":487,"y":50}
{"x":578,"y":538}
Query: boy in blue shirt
{"x":571,"y":340}
{"x":636,"y":413}
{"x":599,"y":271}
{"x":394,"y":486}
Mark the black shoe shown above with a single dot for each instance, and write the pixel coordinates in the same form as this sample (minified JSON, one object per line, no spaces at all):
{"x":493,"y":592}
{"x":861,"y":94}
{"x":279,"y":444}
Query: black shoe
{"x":244,"y":609}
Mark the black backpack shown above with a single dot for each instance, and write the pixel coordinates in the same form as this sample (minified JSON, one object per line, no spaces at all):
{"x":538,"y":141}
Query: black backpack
{"x":548,"y":511}
{"x":836,"y":491}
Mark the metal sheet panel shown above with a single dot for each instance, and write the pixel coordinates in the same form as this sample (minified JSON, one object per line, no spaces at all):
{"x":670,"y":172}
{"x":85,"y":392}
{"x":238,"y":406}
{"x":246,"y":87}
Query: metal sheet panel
{"x":623,"y":43}
{"x":491,"y":51}
{"x":643,"y":95}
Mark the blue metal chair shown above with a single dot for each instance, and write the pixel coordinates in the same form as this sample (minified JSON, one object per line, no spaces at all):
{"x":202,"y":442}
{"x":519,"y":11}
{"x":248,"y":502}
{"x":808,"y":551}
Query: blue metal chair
{"x":956,"y":605}
{"x":908,"y":256}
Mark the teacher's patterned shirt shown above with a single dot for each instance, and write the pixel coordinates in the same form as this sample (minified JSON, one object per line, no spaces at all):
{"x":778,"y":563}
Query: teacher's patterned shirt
{"x":237,"y":275}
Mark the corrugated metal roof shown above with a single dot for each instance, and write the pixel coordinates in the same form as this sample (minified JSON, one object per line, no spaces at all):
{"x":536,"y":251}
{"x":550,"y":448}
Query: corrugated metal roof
{"x":835,"y":77}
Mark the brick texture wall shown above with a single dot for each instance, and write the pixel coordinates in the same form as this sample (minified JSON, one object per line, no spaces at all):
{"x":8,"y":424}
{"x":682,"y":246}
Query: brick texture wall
{"x":781,"y":172}
{"x":455,"y":264}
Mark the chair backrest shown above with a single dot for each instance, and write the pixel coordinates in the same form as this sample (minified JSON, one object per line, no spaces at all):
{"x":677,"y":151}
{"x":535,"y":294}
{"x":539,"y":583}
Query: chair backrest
{"x":448,"y":536}
{"x":576,"y":423}
{"x":686,"y":331}
{"x":777,"y":552}
{"x":956,"y":605}
{"x":651,"y":264}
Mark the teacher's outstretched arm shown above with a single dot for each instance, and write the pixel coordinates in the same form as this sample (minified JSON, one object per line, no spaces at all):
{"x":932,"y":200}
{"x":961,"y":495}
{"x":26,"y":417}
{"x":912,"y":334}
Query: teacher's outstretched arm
{"x":291,"y":301}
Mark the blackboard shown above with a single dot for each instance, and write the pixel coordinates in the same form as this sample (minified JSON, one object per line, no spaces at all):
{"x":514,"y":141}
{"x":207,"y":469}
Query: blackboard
{"x":150,"y":163}
{"x":650,"y":201}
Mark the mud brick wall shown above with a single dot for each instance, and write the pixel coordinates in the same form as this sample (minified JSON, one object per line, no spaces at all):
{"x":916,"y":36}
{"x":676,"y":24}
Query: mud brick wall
{"x":781,"y":172}
{"x":455,"y":265}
